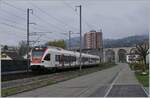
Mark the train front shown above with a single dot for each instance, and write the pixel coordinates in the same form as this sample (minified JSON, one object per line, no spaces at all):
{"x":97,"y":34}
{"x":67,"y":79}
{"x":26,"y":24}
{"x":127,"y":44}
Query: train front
{"x":37,"y":54}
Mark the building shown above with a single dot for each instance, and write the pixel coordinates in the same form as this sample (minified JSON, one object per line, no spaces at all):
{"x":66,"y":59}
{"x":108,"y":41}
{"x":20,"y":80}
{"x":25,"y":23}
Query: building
{"x":10,"y":55}
{"x":93,"y":40}
{"x":132,"y":58}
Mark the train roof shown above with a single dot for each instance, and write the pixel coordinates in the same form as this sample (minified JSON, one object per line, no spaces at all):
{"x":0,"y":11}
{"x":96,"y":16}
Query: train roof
{"x":75,"y":53}
{"x":61,"y":50}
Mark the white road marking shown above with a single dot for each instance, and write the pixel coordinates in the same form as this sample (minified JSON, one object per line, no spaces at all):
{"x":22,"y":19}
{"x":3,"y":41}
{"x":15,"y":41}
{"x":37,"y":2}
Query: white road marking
{"x":144,"y":90}
{"x":112,"y":85}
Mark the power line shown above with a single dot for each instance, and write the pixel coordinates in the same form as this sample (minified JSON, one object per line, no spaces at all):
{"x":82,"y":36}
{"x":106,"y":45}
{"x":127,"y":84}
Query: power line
{"x":15,"y":22}
{"x":48,"y":22}
{"x":68,"y":5}
{"x":9,"y":20}
{"x":7,"y":12}
{"x":43,"y":11}
{"x":43,"y":19}
{"x":13,"y":6}
{"x":12,"y":21}
{"x":22,"y":29}
{"x":20,"y":18}
{"x":16,"y":34}
{"x":19,"y":10}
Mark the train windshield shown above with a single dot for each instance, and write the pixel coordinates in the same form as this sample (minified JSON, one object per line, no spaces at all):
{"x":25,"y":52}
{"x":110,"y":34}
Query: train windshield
{"x":37,"y":52}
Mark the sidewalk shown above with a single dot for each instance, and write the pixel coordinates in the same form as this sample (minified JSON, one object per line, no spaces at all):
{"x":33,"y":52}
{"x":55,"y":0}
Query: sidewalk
{"x":126,"y":76}
{"x":126,"y":84}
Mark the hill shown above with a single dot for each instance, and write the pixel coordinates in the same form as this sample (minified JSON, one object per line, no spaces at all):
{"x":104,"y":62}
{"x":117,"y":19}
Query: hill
{"x":125,"y":42}
{"x":112,"y":43}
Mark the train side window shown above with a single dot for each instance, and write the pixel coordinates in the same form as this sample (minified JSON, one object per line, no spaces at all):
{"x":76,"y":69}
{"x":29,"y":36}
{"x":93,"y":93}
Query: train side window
{"x":57,"y":58}
{"x":47,"y":57}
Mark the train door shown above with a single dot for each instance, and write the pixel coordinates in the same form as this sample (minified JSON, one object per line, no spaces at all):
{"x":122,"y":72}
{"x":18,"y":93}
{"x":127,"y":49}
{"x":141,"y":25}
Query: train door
{"x":62,"y":60}
{"x":70,"y":60}
{"x":47,"y":60}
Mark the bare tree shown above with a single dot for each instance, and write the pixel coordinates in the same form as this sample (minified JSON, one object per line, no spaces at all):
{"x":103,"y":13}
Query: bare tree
{"x":22,"y":49}
{"x":5,"y":48}
{"x":142,"y":50}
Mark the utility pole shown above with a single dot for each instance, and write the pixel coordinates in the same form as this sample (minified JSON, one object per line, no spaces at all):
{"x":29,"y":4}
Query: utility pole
{"x":28,"y":34}
{"x":80,"y":16}
{"x":69,"y":40}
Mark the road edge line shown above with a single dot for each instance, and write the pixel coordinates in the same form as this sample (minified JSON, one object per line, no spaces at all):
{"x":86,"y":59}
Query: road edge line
{"x":145,"y":90}
{"x":108,"y":91}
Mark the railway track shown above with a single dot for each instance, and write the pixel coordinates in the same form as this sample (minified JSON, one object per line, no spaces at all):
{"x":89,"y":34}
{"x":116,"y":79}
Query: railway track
{"x":30,"y":74}
{"x":16,"y":80}
{"x":21,"y":75}
{"x":20,"y":82}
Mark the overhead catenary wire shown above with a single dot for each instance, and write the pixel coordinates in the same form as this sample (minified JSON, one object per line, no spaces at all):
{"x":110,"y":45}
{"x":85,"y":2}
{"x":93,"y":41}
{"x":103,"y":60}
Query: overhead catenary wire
{"x":25,"y":18}
{"x":10,"y":20}
{"x":7,"y":12}
{"x":33,"y":15}
{"x":19,"y":28}
{"x":20,"y":17}
{"x":21,"y":10}
{"x":61,"y":29}
{"x":48,"y":14}
{"x":48,"y":22}
{"x":68,"y":5}
{"x":16,"y":23}
{"x":16,"y":34}
{"x":84,"y":20}
{"x":4,"y":2}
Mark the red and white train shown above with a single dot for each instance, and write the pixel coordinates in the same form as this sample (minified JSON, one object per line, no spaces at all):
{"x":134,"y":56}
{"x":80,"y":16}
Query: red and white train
{"x":53,"y":57}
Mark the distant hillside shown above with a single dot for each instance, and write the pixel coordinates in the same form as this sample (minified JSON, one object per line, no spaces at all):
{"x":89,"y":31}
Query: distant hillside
{"x":112,"y":43}
{"x":75,"y":42}
{"x":125,"y":42}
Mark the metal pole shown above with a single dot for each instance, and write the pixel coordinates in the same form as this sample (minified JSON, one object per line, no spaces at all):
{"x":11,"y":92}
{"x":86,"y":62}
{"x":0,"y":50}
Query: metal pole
{"x":28,"y":40}
{"x":80,"y":38}
{"x":69,"y":40}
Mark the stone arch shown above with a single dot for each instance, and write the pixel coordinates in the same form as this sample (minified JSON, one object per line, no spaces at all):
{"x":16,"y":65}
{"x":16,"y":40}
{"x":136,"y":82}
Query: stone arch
{"x":133,"y":51}
{"x":110,"y":55}
{"x":122,"y":55}
{"x":133,"y":57}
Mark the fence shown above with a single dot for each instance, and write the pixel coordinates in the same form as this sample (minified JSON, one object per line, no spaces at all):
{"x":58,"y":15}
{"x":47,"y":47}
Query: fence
{"x":13,"y":65}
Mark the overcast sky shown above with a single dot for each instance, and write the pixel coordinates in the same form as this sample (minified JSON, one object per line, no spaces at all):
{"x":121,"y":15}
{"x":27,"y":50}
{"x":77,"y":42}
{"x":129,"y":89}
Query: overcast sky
{"x":116,"y":18}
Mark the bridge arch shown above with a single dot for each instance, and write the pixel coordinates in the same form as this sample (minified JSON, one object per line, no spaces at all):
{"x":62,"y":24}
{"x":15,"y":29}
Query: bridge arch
{"x":122,"y":55}
{"x":133,"y":51}
{"x":119,"y":54}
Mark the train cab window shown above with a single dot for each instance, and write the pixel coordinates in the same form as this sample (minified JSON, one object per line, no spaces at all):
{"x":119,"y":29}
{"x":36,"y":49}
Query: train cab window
{"x":47,"y":57}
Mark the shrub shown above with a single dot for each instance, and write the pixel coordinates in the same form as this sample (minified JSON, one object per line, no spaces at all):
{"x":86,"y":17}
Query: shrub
{"x":137,"y":66}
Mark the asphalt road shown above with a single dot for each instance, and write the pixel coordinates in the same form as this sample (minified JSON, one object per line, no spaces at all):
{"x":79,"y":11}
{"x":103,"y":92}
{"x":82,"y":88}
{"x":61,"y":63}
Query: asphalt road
{"x":118,"y":81}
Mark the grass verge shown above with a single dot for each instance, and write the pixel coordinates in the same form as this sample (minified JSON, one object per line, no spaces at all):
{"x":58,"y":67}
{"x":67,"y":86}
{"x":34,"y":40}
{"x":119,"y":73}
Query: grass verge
{"x":66,"y":76}
{"x":143,"y":79}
